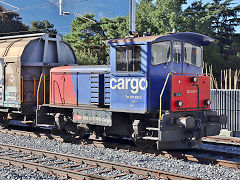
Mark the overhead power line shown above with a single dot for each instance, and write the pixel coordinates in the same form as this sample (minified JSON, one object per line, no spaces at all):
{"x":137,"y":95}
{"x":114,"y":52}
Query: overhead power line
{"x":10,"y":5}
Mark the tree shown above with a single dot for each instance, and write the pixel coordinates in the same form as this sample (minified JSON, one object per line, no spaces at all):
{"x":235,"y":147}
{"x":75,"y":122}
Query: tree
{"x":217,"y":19}
{"x":195,"y":19}
{"x":11,"y":22}
{"x":43,"y":26}
{"x":158,"y":17}
{"x":87,"y":37}
{"x":168,"y":15}
{"x":225,"y":19}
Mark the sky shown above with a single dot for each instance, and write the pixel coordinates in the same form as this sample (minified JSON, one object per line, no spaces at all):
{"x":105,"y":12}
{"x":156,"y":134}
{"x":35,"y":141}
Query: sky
{"x":31,"y":10}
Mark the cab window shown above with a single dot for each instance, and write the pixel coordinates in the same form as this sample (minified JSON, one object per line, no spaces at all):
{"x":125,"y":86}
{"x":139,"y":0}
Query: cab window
{"x":177,"y":51}
{"x":128,"y":58}
{"x":192,"y":54}
{"x":161,"y":52}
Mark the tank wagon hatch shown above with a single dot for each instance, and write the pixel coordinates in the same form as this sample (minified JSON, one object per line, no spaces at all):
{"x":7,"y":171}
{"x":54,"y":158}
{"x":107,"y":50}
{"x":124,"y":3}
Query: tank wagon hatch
{"x":23,"y":59}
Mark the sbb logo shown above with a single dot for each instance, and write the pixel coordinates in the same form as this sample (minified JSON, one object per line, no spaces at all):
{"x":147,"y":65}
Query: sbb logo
{"x":124,"y":83}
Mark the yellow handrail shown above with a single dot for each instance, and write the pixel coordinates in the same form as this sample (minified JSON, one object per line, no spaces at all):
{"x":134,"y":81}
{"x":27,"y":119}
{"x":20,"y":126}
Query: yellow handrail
{"x":39,"y":85}
{"x":160,"y":105}
{"x":22,"y":88}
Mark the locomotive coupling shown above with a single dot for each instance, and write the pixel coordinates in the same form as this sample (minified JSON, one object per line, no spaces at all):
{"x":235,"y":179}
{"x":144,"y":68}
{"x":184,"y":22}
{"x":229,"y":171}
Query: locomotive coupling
{"x":187,"y":122}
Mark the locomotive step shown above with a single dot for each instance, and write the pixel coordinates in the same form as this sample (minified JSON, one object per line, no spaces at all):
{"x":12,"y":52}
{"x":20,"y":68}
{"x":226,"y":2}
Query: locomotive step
{"x":150,"y":138}
{"x":46,"y":125}
{"x":152,"y":128}
{"x":153,"y":119}
{"x":27,"y":122}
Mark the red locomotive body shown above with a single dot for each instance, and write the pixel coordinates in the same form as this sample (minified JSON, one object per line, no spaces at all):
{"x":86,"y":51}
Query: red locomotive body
{"x":189,"y":93}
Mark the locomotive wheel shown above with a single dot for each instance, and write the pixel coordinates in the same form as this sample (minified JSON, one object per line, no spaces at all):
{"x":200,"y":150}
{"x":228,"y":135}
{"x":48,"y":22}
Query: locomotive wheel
{"x":143,"y":144}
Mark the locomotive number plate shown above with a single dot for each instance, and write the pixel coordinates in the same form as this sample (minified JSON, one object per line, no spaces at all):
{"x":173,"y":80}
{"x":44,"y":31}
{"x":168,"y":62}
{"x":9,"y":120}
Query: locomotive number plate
{"x":94,"y":117}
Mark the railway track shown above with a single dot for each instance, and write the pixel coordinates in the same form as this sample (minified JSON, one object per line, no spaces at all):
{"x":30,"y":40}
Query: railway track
{"x":76,"y":167}
{"x":232,"y":141}
{"x":193,"y":155}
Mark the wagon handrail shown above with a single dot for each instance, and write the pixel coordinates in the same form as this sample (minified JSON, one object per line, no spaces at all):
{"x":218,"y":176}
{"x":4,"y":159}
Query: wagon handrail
{"x":39,"y":85}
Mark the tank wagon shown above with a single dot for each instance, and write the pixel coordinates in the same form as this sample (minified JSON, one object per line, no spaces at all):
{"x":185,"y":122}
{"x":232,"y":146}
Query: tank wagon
{"x":153,"y":92}
{"x":22,"y":61}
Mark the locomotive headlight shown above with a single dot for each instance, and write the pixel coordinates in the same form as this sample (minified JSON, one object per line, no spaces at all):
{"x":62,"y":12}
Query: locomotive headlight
{"x":207,"y":102}
{"x":194,"y":79}
{"x":179,"y":103}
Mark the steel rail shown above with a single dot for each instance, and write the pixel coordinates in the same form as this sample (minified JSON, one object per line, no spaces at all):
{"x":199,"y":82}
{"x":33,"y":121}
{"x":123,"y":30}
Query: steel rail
{"x":166,"y":154}
{"x":231,"y":141}
{"x":77,"y":159}
{"x":47,"y":169}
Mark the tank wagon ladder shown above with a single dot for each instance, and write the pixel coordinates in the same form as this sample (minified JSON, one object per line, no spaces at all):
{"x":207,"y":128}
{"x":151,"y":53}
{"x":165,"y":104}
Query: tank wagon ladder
{"x":158,"y":138}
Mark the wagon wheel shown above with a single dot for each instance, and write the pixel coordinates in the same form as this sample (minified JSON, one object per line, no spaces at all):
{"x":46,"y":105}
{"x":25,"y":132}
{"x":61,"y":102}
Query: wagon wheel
{"x":71,"y":129}
{"x":4,"y":123}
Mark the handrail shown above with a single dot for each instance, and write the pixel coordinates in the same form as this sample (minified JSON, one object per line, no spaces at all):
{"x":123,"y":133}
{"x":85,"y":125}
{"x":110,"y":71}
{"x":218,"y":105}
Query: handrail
{"x":39,"y":85}
{"x":22,"y":89}
{"x":160,"y":105}
{"x":145,"y":104}
{"x":34,"y":86}
{"x":50,"y":84}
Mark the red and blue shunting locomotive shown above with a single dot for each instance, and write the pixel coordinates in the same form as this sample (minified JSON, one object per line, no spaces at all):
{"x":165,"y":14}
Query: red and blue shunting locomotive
{"x":153,"y":92}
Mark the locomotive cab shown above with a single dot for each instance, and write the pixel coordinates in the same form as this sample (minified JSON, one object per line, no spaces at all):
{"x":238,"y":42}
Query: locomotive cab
{"x":159,"y":79}
{"x":140,"y":65}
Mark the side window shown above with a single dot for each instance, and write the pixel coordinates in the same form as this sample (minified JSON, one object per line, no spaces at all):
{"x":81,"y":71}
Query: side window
{"x":128,"y":58}
{"x":192,"y":54}
{"x":161,"y":52}
{"x":121,"y":59}
{"x":177,"y":51}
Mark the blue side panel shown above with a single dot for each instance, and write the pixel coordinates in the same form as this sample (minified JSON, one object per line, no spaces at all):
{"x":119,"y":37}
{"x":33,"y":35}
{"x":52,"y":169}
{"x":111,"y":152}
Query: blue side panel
{"x":128,"y":92}
{"x":191,"y":69}
{"x":94,"y":78}
{"x":145,"y":53}
{"x":74,"y":82}
{"x":84,"y":89}
{"x":107,"y":89}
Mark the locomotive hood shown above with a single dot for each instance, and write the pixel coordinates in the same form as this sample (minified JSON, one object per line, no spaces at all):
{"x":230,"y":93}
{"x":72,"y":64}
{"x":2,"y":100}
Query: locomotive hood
{"x":196,"y":38}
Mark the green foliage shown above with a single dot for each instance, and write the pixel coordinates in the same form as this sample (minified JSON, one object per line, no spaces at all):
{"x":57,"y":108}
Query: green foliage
{"x":43,"y":26}
{"x":160,"y":17}
{"x":196,"y":19}
{"x":87,"y":37}
{"x":11,"y":22}
{"x":217,"y":19}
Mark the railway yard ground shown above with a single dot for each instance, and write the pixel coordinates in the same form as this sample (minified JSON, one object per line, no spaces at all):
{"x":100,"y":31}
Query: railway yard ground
{"x":209,"y":161}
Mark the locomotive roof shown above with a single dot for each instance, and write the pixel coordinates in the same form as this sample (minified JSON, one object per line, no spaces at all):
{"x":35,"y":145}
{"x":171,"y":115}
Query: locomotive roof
{"x":196,"y":38}
{"x":98,"y":69}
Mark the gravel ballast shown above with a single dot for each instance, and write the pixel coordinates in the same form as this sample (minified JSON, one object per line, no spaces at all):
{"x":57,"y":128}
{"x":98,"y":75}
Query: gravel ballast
{"x":11,"y":172}
{"x":130,"y":158}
